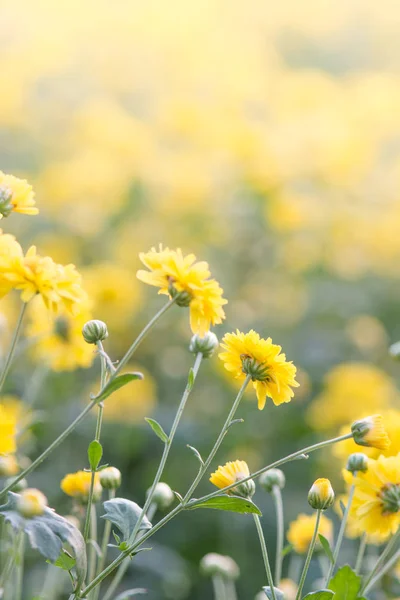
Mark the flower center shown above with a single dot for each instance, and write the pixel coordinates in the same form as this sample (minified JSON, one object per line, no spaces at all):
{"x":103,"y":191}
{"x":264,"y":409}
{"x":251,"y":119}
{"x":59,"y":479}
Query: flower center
{"x":390,"y":497}
{"x":257,"y":371}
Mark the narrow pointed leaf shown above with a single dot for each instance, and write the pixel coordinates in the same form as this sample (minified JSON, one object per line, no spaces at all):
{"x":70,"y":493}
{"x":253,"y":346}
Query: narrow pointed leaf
{"x":190,"y":379}
{"x":95,"y":452}
{"x":130,"y":593}
{"x":115,"y":384}
{"x":326,"y":547}
{"x":286,"y":550}
{"x":224,"y":502}
{"x":158,"y":430}
{"x":196,"y":453}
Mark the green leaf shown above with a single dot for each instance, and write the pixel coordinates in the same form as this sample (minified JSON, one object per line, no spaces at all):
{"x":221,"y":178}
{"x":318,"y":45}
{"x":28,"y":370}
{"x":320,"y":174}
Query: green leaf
{"x":158,"y":430}
{"x":95,"y":452}
{"x":115,"y":384}
{"x":197,"y":454}
{"x":320,"y":595}
{"x":124,"y":514}
{"x":47,"y":533}
{"x":190,"y":379}
{"x":65,"y":561}
{"x":346,"y":584}
{"x":224,"y":502}
{"x":286,"y":550}
{"x":326,"y":547}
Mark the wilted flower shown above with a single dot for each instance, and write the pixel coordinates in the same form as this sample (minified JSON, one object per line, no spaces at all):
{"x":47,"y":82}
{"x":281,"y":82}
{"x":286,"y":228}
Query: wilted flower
{"x":189,"y":281}
{"x":248,"y":354}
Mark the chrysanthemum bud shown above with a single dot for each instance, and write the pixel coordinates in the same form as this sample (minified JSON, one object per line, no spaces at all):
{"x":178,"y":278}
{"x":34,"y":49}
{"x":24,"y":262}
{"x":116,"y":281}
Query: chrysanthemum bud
{"x":5,"y":201}
{"x":182,"y":298}
{"x":8,"y":465}
{"x":205,"y":345}
{"x":371,"y":432}
{"x":357,"y":462}
{"x":272,"y":478}
{"x":321,"y":495}
{"x":163,"y":495}
{"x":394,"y":350}
{"x":278,"y":593}
{"x":17,"y":487}
{"x":216,"y":564}
{"x":94,"y":331}
{"x":110,"y":478}
{"x":247,"y":489}
{"x":31,"y":503}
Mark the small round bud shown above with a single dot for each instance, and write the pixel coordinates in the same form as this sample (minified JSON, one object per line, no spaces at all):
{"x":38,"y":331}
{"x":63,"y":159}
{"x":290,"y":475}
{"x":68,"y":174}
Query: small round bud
{"x":31,"y":503}
{"x":110,"y":478}
{"x":94,"y":331}
{"x":216,"y":564}
{"x":357,"y":462}
{"x":321,"y":495}
{"x":272,"y":478}
{"x":371,"y":432}
{"x":278,"y":593}
{"x":394,"y":350}
{"x":163,"y":496}
{"x":205,"y":345}
{"x":8,"y":465}
{"x":22,"y":484}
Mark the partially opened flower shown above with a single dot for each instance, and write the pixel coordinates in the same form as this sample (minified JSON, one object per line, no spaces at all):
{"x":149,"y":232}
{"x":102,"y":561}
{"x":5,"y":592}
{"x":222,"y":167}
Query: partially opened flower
{"x":16,"y":195}
{"x":247,"y":354}
{"x":375,"y":509}
{"x":188,"y":281}
{"x":371,"y":432}
{"x":234,"y":472}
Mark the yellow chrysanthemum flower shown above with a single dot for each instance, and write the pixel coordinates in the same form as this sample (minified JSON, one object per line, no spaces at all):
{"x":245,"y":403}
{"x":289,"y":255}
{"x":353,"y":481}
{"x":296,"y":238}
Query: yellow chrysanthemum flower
{"x":234,"y":472}
{"x":391,"y":422}
{"x":77,"y":485}
{"x":8,"y":430}
{"x":301,"y":531}
{"x":31,"y":503}
{"x":34,"y":274}
{"x":375,"y":509}
{"x":180,"y":275}
{"x":371,"y":432}
{"x":248,"y":354}
{"x":16,"y":195}
{"x":59,"y":340}
{"x":351,"y":390}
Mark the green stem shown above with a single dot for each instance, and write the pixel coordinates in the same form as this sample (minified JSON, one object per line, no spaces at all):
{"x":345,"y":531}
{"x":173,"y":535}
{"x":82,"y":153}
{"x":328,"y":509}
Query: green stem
{"x":93,"y":537}
{"x":20,"y":567}
{"x":205,"y":466}
{"x":104,"y":544}
{"x":386,"y":567}
{"x":381,"y":561}
{"x":276,"y":493}
{"x":275,"y":464}
{"x":361,"y":552}
{"x":309,"y":556}
{"x":219,"y":588}
{"x":230,"y":589}
{"x":148,"y":503}
{"x":341,"y":534}
{"x":13,"y":345}
{"x":89,"y":407}
{"x":182,"y":506}
{"x":265,"y":555}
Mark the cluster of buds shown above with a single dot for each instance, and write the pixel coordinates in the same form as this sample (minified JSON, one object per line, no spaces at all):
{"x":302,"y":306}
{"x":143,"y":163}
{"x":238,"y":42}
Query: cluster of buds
{"x":321,"y":495}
